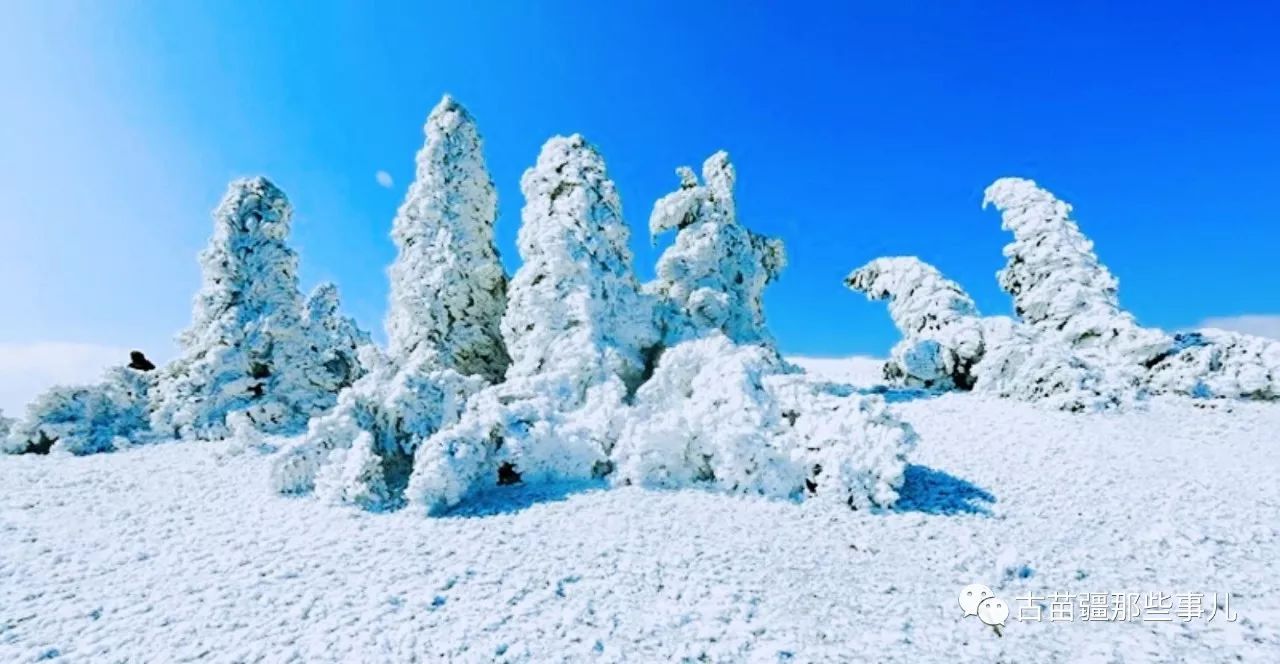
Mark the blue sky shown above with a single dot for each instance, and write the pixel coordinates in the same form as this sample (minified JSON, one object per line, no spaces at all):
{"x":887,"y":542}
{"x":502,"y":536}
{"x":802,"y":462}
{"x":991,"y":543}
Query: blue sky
{"x":856,"y":132}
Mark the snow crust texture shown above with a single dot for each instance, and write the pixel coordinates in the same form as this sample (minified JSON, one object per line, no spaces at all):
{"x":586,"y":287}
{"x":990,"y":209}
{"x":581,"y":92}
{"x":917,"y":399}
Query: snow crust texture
{"x":164,"y":553}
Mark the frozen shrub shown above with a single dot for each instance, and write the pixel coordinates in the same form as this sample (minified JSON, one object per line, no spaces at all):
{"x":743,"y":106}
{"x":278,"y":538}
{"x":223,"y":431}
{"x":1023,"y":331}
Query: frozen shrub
{"x":713,"y":276}
{"x":248,"y":347}
{"x":381,"y":420}
{"x":940,"y":326}
{"x":578,"y":331}
{"x":86,"y":419}
{"x":448,"y":288}
{"x":1217,"y":363}
{"x":732,"y":417}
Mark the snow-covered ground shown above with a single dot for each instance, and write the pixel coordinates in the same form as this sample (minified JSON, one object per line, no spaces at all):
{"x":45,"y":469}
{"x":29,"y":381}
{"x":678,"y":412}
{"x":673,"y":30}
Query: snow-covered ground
{"x":181,"y":552}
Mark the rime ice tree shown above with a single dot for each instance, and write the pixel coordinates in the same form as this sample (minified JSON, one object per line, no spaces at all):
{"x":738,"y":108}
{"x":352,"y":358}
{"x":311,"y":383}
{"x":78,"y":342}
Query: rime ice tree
{"x":577,"y":328}
{"x":713,"y":276}
{"x":247,"y":347}
{"x":448,"y":288}
{"x":1058,"y":285}
{"x":448,"y":293}
{"x":942,"y":332}
{"x":86,"y":419}
{"x":335,"y":340}
{"x":722,"y":409}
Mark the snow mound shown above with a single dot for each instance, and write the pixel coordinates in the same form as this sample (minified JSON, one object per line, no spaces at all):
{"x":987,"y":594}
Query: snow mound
{"x":735,"y":418}
{"x":1219,"y":363}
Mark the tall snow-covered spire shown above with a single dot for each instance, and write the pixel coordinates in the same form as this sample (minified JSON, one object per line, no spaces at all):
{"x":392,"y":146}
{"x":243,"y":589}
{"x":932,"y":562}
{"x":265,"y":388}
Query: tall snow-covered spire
{"x":1058,"y":285}
{"x":713,"y":276}
{"x":246,"y":348}
{"x":575,"y":304}
{"x":448,"y":288}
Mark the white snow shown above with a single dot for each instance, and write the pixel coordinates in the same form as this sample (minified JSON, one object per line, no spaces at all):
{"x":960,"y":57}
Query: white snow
{"x":1180,"y":497}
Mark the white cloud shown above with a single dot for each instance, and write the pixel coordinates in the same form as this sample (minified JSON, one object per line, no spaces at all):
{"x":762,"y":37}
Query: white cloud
{"x":384,"y":179}
{"x":1259,"y":324}
{"x":27,"y":369}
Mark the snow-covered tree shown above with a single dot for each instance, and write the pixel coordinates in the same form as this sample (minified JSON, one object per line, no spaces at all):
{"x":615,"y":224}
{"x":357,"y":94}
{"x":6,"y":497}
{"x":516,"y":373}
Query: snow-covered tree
{"x":1059,"y":287}
{"x":247,"y":347}
{"x":86,"y":419}
{"x":335,"y":340}
{"x":448,"y":294}
{"x":714,"y":275}
{"x":6,"y":424}
{"x":578,"y":331}
{"x":448,"y":288}
{"x":940,"y":325}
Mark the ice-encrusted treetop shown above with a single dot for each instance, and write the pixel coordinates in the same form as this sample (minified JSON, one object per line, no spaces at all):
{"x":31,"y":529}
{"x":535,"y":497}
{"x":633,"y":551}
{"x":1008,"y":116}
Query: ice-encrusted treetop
{"x":941,"y":330}
{"x":448,"y":288}
{"x":920,"y":298}
{"x":249,"y":271}
{"x":713,"y":277}
{"x":335,"y":337}
{"x":575,"y":305}
{"x":1058,"y":285}
{"x":248,"y":347}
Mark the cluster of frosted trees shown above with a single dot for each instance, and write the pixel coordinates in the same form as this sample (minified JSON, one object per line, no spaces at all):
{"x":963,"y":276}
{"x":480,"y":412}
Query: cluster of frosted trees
{"x":256,"y":348}
{"x":571,"y":369}
{"x":1072,"y":346}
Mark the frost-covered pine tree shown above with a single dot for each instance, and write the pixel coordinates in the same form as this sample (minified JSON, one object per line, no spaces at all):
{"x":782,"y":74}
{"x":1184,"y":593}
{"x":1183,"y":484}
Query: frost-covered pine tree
{"x":247,"y":347}
{"x":448,"y":294}
{"x":1059,"y":287}
{"x":940,"y":325}
{"x":714,"y":275}
{"x":578,"y":331}
{"x":335,"y":340}
{"x":86,"y":419}
{"x":448,"y":288}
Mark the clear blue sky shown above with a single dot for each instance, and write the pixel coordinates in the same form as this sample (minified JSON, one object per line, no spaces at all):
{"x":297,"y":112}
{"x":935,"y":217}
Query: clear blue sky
{"x":857,"y":132}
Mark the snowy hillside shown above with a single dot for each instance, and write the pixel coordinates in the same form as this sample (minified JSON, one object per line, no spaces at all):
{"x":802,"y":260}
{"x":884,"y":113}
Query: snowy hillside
{"x":566,"y":463}
{"x":179,"y":552}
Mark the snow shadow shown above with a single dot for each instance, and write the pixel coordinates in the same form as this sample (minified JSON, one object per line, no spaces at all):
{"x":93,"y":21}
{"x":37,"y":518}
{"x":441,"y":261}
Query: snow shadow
{"x":519,"y":497}
{"x":936,"y":492}
{"x":890,"y":394}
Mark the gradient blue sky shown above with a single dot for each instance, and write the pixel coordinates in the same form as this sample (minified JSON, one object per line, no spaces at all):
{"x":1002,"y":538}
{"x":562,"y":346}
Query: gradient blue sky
{"x":857,"y":132}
